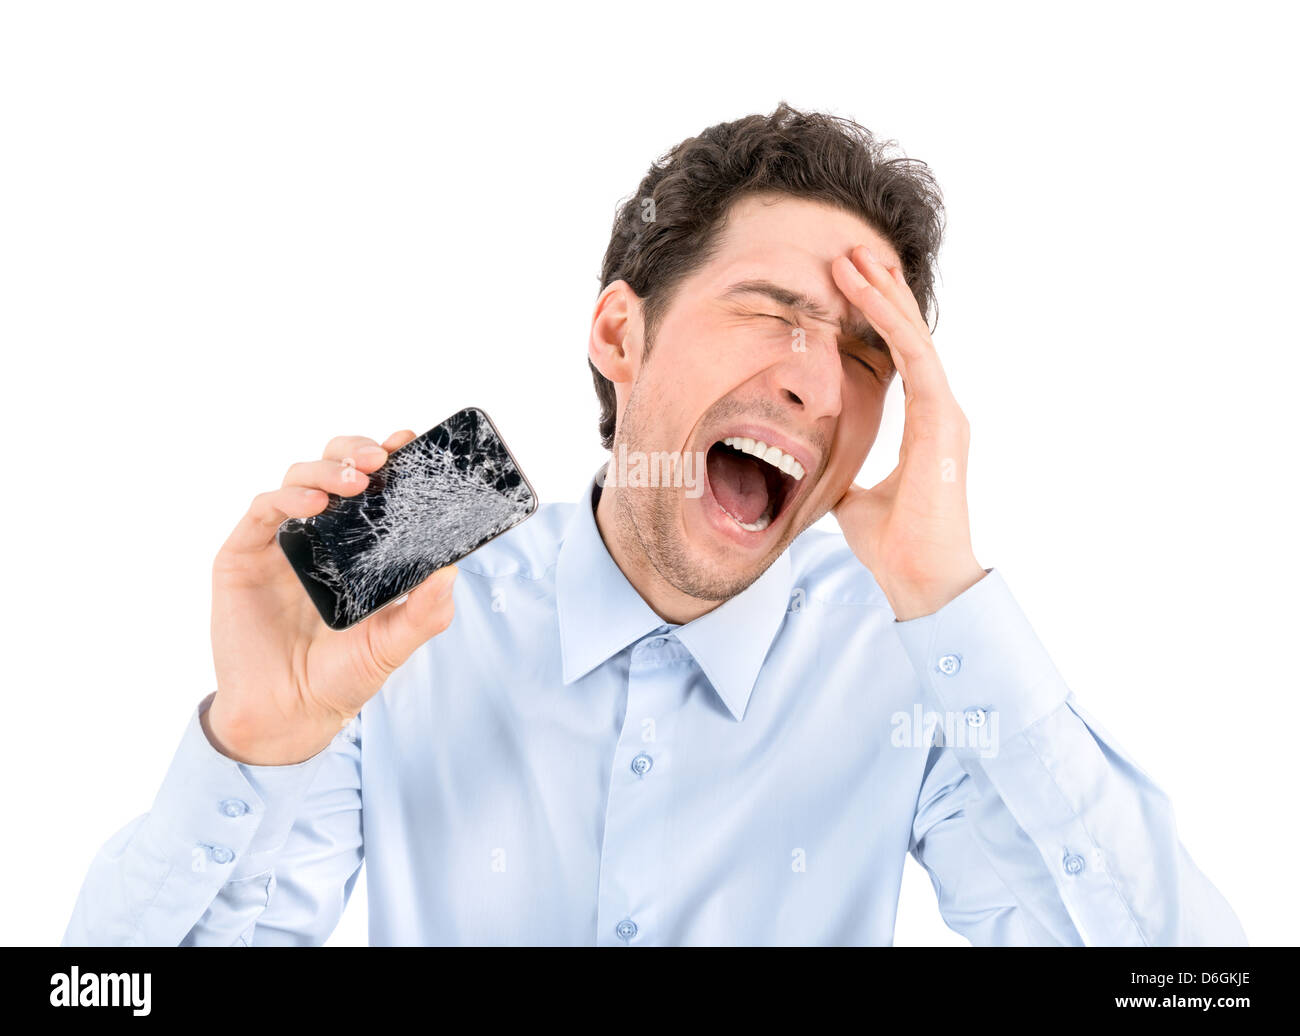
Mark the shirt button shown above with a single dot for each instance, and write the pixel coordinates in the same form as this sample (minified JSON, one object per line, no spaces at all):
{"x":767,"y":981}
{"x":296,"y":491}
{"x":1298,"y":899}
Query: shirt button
{"x":641,"y":766}
{"x":949,"y":664}
{"x":234,"y":807}
{"x":221,"y":854}
{"x":976,"y":717}
{"x":626,"y":929}
{"x":1073,"y":863}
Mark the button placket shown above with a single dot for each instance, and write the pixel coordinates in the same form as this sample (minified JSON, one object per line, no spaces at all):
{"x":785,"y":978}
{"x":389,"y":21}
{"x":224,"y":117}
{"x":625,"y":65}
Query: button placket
{"x":633,"y":853}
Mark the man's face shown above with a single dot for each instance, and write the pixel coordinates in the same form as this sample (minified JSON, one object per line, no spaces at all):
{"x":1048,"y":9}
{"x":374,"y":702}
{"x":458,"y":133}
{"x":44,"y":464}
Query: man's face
{"x":739,"y":359}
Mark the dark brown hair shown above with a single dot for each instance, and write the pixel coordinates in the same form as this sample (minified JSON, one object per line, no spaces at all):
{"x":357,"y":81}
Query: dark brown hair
{"x":804,"y":154}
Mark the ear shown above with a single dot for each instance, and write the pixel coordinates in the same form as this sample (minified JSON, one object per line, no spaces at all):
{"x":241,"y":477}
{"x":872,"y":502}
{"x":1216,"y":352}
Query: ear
{"x":616,"y":343}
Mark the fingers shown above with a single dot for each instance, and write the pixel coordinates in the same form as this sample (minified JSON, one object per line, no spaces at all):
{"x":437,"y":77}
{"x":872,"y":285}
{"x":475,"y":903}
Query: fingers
{"x":402,"y":627}
{"x":258,"y":526}
{"x":305,"y":490}
{"x":345,"y":477}
{"x":887,"y":280}
{"x":849,"y":496}
{"x":342,"y":446}
{"x":345,"y":457}
{"x":398,"y":439}
{"x":879,"y":296}
{"x":904,"y":298}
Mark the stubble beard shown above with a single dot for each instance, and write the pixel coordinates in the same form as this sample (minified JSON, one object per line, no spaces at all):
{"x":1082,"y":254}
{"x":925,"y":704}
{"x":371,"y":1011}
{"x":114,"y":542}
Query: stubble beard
{"x":648,"y":521}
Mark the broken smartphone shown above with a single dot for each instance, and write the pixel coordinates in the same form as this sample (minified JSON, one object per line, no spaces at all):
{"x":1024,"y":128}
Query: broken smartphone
{"x":435,"y":500}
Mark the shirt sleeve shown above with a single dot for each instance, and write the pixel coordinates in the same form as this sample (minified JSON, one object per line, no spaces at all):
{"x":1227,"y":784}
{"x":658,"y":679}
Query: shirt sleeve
{"x":230,"y":854}
{"x":1035,"y":826}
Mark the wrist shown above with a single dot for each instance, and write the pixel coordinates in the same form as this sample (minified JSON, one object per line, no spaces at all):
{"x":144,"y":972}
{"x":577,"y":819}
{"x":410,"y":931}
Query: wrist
{"x":245,"y":743}
{"x":917,"y":596}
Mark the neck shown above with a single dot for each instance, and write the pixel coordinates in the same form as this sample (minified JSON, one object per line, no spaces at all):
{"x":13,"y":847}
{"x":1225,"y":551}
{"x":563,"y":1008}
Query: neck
{"x":664,"y":599}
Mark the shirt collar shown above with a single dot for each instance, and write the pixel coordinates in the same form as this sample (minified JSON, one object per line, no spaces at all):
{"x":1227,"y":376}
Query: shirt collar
{"x":601,"y":613}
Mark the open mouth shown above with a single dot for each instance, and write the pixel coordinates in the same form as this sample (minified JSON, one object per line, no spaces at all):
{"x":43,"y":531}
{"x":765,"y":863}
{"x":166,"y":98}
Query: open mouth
{"x":751,"y":481}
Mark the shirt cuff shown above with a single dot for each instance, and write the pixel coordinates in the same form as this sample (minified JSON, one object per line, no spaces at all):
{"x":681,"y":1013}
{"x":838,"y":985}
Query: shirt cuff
{"x":215,"y":819}
{"x":981,"y":661}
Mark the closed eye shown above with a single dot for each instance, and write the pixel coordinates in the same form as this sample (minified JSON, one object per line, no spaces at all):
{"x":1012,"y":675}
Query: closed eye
{"x":869,"y":368}
{"x":872,"y":371}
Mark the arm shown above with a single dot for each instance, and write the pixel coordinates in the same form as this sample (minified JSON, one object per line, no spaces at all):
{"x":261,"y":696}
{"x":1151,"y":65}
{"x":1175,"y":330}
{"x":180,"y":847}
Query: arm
{"x":231,"y":854}
{"x":255,"y":835}
{"x":1035,"y":826}
{"x":1056,"y":835}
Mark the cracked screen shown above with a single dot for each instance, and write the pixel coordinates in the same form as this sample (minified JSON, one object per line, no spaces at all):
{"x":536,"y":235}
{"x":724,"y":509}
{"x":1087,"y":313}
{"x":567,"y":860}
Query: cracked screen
{"x":435,"y":500}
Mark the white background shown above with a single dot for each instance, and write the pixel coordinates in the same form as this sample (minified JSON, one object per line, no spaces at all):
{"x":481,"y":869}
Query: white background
{"x":230,"y":231}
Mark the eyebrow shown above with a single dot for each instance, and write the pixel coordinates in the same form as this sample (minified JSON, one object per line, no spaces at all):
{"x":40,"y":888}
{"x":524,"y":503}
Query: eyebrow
{"x":851,"y":327}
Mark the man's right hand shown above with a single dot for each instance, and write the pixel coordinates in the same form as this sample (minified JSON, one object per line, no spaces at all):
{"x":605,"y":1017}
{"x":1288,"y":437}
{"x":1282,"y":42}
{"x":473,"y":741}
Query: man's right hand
{"x":286,"y":682}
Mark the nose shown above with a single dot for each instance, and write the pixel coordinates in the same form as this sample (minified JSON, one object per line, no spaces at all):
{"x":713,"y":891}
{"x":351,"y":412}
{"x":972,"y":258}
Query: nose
{"x":811,"y":376}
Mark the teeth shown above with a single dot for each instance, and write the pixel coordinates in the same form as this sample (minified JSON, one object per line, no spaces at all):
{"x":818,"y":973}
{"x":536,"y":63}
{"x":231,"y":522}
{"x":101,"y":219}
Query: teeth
{"x":772,"y":454}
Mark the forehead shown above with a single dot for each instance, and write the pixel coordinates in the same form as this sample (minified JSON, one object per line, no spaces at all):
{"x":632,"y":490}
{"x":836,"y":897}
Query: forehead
{"x":770,"y":234}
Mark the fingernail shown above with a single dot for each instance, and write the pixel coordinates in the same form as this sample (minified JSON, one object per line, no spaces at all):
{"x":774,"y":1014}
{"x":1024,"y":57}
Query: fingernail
{"x":855,"y":275}
{"x":447,"y":586}
{"x":372,"y":451}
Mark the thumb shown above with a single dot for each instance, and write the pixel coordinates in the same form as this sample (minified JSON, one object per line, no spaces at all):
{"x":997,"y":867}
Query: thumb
{"x":426,"y":612}
{"x":854,"y":492}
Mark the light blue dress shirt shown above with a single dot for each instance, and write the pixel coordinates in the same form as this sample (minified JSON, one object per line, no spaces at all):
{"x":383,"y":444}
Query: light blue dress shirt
{"x":562,"y":767}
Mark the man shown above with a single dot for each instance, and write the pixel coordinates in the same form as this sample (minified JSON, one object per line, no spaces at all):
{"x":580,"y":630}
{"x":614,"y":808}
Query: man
{"x":671,"y":714}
